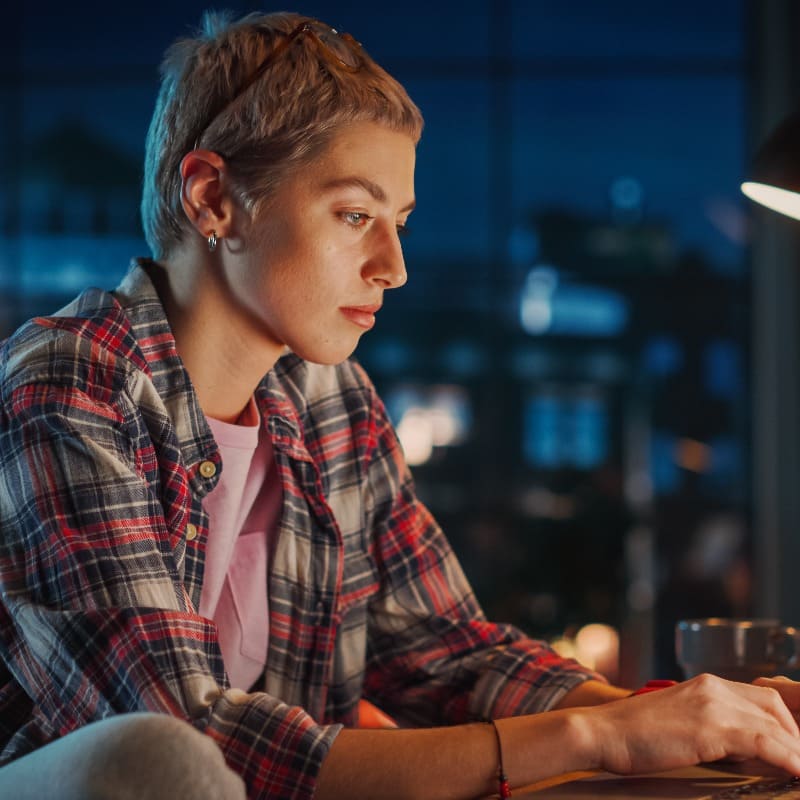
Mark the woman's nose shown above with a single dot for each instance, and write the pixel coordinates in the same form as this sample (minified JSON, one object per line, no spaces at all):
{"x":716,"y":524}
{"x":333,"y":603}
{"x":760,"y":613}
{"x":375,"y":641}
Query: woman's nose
{"x":386,"y":265}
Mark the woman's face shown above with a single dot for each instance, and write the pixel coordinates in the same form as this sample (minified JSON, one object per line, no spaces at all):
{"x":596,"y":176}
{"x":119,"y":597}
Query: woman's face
{"x":321,"y":254}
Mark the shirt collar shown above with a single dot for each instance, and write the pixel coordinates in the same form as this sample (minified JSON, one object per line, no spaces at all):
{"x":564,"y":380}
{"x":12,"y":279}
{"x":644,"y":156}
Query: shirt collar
{"x":145,"y":313}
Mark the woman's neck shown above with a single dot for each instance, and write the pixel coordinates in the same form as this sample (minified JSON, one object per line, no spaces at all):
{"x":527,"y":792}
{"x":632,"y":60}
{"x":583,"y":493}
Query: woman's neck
{"x":217,"y":350}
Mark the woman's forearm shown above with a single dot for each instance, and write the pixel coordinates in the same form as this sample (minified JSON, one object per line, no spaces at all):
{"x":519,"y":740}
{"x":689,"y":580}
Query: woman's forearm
{"x":703,"y":719}
{"x":454,"y":762}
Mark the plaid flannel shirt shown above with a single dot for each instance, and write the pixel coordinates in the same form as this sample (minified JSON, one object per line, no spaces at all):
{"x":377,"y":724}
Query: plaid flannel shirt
{"x":106,"y":459}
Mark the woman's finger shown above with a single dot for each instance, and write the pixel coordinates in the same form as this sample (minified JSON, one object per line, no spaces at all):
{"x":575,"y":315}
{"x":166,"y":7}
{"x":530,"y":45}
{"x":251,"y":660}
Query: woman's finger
{"x":788,"y":689}
{"x":772,"y":701}
{"x":751,"y":740}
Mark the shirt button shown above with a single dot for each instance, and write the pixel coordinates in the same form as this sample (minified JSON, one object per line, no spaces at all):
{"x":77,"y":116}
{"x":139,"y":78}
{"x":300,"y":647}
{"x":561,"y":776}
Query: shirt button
{"x":208,"y":469}
{"x":191,"y":532}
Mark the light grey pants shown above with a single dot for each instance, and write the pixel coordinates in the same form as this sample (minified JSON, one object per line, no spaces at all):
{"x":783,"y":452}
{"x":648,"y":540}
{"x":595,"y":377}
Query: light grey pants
{"x":129,"y":757}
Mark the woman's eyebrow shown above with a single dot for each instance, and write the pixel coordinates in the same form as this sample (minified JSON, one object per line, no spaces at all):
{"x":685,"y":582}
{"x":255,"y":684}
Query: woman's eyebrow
{"x":374,"y":189}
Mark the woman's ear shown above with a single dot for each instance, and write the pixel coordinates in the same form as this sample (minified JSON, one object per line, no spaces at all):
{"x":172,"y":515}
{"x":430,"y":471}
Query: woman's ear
{"x":204,"y":193}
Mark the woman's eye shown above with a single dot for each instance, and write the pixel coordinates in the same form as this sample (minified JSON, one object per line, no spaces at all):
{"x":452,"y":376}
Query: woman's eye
{"x":403,"y":230}
{"x":356,"y":218}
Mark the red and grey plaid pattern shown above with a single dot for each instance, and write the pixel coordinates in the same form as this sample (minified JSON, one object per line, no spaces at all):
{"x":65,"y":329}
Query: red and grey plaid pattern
{"x":101,"y":446}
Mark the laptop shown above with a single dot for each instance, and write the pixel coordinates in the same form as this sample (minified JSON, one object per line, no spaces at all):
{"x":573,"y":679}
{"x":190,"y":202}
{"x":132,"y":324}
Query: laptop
{"x":712,"y":782}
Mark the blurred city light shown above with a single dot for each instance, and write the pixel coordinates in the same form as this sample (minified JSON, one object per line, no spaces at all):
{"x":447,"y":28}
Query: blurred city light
{"x":627,"y":199}
{"x":549,"y":305}
{"x":692,"y":455}
{"x":429,"y":417}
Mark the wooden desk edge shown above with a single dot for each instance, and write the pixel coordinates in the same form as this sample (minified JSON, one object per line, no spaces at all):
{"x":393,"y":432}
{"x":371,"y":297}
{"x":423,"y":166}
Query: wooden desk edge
{"x":557,"y":779}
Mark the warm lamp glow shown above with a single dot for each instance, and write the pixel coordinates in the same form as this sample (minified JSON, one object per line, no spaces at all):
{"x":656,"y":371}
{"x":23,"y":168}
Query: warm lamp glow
{"x":595,"y":646}
{"x":780,"y":200}
{"x":775,"y":176}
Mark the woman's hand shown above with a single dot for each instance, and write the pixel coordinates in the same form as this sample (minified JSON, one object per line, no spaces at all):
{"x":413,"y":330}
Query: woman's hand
{"x":788,"y":689}
{"x":704,"y":719}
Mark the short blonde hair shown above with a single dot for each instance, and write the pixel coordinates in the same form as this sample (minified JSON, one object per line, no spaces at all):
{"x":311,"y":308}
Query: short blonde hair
{"x":278,"y":124}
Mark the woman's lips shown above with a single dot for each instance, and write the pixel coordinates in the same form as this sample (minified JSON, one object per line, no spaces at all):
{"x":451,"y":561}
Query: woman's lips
{"x":363,"y":316}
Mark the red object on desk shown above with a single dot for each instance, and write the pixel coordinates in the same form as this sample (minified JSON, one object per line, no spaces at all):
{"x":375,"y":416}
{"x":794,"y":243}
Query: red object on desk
{"x":654,"y":686}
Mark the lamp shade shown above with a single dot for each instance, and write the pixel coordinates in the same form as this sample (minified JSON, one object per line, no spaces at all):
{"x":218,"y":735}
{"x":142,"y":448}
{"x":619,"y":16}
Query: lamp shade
{"x":775,"y":181}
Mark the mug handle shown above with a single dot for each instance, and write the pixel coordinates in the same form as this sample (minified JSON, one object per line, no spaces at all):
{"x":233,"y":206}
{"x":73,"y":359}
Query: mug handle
{"x":784,"y":646}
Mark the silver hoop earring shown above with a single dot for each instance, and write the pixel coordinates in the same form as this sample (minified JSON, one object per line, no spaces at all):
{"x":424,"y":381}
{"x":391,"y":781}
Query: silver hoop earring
{"x":212,"y":241}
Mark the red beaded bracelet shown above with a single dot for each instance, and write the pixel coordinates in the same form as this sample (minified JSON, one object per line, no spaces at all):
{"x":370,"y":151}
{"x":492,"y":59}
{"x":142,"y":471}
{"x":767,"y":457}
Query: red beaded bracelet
{"x":503,"y":789}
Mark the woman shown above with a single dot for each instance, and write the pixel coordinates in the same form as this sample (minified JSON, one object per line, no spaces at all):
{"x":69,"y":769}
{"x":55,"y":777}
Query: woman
{"x":207,"y":522}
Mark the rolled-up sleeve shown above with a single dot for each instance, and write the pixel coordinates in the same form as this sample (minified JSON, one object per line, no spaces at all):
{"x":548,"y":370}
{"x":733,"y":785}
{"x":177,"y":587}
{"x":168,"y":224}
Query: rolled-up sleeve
{"x":433,"y":657}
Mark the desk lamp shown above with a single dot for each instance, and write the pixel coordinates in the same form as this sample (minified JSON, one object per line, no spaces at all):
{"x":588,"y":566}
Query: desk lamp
{"x":775,"y":179}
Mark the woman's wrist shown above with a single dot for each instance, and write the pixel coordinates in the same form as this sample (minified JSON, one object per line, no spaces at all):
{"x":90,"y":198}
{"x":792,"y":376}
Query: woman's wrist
{"x":540,"y":746}
{"x":586,"y":730}
{"x":590,"y":727}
